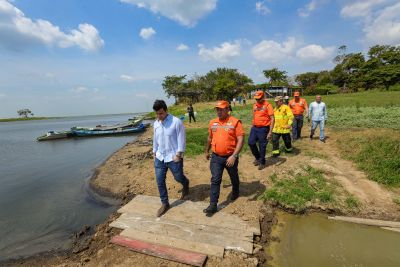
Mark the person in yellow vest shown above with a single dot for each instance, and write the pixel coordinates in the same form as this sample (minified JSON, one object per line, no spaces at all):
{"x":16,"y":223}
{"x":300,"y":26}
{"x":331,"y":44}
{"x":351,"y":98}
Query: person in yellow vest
{"x":283,"y":124}
{"x":225,"y":138}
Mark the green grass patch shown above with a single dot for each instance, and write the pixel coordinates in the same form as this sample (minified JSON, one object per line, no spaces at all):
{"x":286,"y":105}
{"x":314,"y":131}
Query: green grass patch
{"x":376,"y":152}
{"x":373,"y":98}
{"x":352,"y":202}
{"x":296,"y":191}
{"x":396,"y":200}
{"x":314,"y":154}
{"x":364,"y":117}
{"x":196,"y":139}
{"x":24,"y":119}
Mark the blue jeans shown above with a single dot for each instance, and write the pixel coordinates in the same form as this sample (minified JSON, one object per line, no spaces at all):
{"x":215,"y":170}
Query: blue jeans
{"x":217,"y":166}
{"x":321,"y":128}
{"x":296,"y":127}
{"x":258,"y":134}
{"x":161,"y":169}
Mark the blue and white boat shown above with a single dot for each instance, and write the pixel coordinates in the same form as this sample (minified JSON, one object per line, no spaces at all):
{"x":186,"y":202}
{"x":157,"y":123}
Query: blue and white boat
{"x":82,"y":132}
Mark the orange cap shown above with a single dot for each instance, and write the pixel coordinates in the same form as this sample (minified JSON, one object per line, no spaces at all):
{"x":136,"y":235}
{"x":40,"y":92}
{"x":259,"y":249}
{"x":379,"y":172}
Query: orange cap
{"x":258,"y":95}
{"x":296,"y":93}
{"x":222,"y":104}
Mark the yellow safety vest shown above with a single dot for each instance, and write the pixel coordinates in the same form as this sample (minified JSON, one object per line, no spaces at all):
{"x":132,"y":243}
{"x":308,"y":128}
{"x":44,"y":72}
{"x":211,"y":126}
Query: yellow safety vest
{"x":283,"y":117}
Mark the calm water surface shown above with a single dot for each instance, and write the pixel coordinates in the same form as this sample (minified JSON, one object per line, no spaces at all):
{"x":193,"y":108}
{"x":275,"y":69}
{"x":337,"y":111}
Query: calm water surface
{"x":308,"y":241}
{"x":44,"y":196}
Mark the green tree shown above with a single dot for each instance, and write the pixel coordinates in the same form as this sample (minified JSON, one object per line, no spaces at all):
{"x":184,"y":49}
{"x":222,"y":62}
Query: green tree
{"x":276,"y":76}
{"x":382,"y":69}
{"x":24,"y":112}
{"x":174,"y":86}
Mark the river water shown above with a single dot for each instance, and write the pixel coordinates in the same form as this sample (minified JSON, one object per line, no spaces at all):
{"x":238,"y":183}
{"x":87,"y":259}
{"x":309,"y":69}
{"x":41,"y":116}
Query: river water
{"x":313,"y":240}
{"x":44,"y":196}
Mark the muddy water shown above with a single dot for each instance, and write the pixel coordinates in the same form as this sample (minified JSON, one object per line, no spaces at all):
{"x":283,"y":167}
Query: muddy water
{"x":314,"y":240}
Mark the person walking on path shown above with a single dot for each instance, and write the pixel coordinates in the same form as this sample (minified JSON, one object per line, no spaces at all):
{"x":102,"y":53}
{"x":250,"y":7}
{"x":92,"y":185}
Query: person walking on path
{"x":190,"y":111}
{"x":283,"y":121}
{"x":318,"y":115}
{"x":225,"y":138}
{"x":261,"y":131}
{"x":298,"y":106}
{"x":169,"y":143}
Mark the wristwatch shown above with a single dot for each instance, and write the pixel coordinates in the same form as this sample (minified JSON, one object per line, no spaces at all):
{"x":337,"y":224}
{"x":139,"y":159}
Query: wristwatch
{"x":235,"y":155}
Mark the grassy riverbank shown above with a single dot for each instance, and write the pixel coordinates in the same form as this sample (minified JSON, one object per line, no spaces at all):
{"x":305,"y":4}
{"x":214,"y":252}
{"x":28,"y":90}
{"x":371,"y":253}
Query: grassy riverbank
{"x":364,"y":127}
{"x":25,"y":119}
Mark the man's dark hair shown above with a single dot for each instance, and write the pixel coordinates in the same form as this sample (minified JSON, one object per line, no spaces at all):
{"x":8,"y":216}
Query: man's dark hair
{"x":159,"y":104}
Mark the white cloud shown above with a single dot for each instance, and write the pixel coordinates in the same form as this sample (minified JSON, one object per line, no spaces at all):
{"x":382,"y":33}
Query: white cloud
{"x":79,"y":89}
{"x":182,"y":47}
{"x":385,"y":27}
{"x":315,"y":53}
{"x":186,"y":12}
{"x":268,"y":50}
{"x":18,"y":31}
{"x":262,"y":8}
{"x":310,"y":7}
{"x":380,"y":20}
{"x":360,"y":8}
{"x":126,"y":78}
{"x":222,"y":53}
{"x":147,"y":33}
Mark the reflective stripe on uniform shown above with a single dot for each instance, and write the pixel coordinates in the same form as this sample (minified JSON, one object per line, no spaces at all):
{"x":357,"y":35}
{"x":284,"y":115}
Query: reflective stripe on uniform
{"x":223,"y":126}
{"x":275,"y":152}
{"x":289,"y":149}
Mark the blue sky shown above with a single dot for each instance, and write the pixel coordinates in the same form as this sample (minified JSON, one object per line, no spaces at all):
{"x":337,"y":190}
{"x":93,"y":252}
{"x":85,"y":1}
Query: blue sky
{"x":74,"y":57}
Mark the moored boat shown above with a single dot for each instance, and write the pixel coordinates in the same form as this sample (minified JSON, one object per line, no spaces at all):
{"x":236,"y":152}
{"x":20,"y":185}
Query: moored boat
{"x":118,"y":131}
{"x":52,"y":135}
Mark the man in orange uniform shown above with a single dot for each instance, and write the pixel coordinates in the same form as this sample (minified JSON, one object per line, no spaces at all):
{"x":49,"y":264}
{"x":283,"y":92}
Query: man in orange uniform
{"x":263,"y":123}
{"x":297,"y":105}
{"x":225,"y":137}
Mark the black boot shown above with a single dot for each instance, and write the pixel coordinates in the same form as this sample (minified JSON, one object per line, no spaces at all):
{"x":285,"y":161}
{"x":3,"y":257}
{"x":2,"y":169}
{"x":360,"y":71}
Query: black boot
{"x":234,"y":195}
{"x":185,"y":191}
{"x":164,"y":208}
{"x":211,"y":209}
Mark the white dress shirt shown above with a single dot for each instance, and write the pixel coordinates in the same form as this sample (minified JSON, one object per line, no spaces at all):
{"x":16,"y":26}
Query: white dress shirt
{"x":169,"y":138}
{"x":317,"y":111}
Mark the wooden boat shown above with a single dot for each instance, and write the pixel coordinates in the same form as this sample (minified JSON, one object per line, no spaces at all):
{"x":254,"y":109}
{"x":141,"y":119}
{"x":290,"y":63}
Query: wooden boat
{"x":132,"y":123}
{"x":118,"y":131}
{"x":52,"y":135}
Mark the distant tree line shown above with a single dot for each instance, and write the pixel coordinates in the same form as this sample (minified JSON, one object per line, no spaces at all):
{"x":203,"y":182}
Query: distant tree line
{"x":222,"y":83}
{"x":352,"y":72}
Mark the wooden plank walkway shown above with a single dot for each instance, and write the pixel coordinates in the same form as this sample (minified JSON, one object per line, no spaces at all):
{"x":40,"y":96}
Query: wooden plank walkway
{"x":185,"y":226}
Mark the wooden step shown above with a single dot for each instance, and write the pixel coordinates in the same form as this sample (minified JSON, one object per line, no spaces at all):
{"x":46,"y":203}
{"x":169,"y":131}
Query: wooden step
{"x":205,"y":234}
{"x":189,"y":212}
{"x":169,"y":241}
{"x":178,"y":255}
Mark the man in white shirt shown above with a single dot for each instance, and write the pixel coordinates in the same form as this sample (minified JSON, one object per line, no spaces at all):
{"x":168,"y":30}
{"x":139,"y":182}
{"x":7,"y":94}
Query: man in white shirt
{"x":318,"y":114}
{"x":169,"y":143}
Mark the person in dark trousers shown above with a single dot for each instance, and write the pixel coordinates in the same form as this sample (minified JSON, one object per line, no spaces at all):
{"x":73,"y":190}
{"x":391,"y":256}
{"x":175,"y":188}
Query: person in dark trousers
{"x":225,"y":138}
{"x":169,"y":142}
{"x":261,"y":131}
{"x":283,"y":123}
{"x":298,"y":106}
{"x":190,"y":111}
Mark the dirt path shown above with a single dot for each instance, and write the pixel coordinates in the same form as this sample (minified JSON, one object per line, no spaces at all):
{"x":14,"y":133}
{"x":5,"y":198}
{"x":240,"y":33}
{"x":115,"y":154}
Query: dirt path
{"x":377,"y":201}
